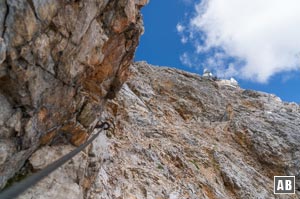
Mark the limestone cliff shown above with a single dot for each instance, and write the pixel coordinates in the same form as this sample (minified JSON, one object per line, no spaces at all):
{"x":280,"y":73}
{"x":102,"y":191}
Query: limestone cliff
{"x":175,"y":135}
{"x":60,"y":60}
{"x":179,"y":135}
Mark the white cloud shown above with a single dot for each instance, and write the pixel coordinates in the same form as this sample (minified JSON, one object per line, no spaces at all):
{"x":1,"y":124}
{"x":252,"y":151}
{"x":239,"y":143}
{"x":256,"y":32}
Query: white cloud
{"x":184,"y":40}
{"x":180,"y":28}
{"x":186,"y":60}
{"x":261,"y":36}
{"x":181,"y":31}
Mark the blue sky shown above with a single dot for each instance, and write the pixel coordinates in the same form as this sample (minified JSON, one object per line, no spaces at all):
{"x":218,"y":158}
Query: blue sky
{"x":262,"y":54}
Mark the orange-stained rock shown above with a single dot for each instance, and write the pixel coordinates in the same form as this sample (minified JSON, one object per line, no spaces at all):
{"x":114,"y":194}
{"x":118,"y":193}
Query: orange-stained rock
{"x":76,"y":131}
{"x":72,"y":128}
{"x":175,"y":135}
{"x":42,"y":115}
{"x":86,"y":183}
{"x":79,"y":138}
{"x":47,"y":138}
{"x":59,"y":62}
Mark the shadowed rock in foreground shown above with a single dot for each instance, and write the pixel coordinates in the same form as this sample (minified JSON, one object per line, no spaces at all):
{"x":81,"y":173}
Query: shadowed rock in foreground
{"x":178,"y":135}
{"x":60,"y":60}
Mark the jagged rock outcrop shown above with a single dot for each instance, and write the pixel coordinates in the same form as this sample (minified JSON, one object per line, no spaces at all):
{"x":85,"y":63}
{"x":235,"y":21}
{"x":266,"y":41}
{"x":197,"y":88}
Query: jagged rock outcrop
{"x":60,"y":60}
{"x":177,"y":135}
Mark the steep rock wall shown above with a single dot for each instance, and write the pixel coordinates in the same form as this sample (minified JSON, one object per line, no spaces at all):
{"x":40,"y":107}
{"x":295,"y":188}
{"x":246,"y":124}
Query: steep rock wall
{"x":182,"y":136}
{"x":60,"y":60}
{"x":177,"y":135}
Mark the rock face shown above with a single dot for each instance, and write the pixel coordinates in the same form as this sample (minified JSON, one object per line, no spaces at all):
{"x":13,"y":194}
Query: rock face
{"x":60,"y":60}
{"x":177,"y":135}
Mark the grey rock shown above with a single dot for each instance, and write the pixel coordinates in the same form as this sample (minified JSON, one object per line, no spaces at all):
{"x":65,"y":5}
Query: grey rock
{"x":2,"y":51}
{"x":168,"y":140}
{"x":21,"y":23}
{"x":5,"y":109}
{"x":59,"y":63}
{"x":174,"y":134}
{"x":14,"y":122}
{"x":13,"y":164}
{"x":3,"y":11}
{"x":85,"y":19}
{"x":45,"y":9}
{"x":62,"y":181}
{"x":7,"y":148}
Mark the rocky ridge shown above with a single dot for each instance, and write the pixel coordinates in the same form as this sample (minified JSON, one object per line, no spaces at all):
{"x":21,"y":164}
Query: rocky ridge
{"x":178,"y":135}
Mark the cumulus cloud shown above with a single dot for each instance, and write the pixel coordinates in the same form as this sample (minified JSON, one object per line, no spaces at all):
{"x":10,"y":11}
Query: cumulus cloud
{"x":254,"y":39}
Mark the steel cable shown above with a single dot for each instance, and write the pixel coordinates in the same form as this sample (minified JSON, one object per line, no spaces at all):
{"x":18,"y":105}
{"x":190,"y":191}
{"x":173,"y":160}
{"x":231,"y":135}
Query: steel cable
{"x":17,"y":189}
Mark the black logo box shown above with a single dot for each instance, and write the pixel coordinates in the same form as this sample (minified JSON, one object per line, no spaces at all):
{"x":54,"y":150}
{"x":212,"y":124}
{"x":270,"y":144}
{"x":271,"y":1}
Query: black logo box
{"x":284,"y":182}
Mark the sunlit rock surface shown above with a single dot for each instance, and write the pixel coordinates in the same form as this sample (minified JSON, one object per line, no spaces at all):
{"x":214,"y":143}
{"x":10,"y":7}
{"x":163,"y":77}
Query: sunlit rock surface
{"x":178,"y":135}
